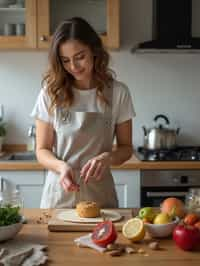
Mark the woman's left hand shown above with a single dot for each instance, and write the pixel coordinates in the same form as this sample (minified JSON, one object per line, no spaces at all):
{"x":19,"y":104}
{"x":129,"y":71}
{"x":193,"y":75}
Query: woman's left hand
{"x":95,"y":167}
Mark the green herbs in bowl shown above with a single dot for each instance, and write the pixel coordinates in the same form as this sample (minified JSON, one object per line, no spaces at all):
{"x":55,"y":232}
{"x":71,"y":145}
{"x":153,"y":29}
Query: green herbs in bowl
{"x":9,"y":215}
{"x":10,"y":222}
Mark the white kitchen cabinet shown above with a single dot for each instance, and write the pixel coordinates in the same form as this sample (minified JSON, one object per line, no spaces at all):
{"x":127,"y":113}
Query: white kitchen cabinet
{"x":127,"y":184}
{"x":30,"y":184}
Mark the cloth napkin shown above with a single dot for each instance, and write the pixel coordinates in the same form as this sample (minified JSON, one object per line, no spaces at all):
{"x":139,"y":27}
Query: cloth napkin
{"x":87,"y":242}
{"x":18,"y":252}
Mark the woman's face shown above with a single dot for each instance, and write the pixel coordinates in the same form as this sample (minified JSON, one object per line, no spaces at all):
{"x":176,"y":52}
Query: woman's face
{"x":77,"y":59}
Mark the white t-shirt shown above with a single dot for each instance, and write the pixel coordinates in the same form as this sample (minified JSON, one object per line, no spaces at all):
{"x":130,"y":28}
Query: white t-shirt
{"x":86,"y":101}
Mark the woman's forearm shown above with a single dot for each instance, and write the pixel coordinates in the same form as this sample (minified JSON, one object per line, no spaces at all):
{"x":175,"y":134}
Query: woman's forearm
{"x":48,"y":159}
{"x":121,"y":154}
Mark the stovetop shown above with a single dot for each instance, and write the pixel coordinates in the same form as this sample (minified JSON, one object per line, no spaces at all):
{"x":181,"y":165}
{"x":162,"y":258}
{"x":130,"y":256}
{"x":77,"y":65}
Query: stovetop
{"x":181,"y":153}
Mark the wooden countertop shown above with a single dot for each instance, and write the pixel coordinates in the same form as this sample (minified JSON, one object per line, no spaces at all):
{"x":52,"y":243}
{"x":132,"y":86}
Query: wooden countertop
{"x":133,"y":164}
{"x":62,"y":250}
{"x":21,"y":165}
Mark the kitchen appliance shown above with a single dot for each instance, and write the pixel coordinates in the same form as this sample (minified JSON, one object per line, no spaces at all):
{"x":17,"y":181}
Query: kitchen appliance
{"x":160,"y":137}
{"x":179,"y":153}
{"x":156,"y":185}
{"x":172,"y":25}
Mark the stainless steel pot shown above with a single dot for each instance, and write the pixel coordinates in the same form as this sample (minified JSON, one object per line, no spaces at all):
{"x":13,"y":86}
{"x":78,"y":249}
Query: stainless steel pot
{"x":160,"y":137}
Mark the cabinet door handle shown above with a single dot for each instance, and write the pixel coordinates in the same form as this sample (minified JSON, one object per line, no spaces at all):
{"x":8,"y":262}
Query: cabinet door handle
{"x":166,"y":194}
{"x":1,"y":183}
{"x":43,"y":38}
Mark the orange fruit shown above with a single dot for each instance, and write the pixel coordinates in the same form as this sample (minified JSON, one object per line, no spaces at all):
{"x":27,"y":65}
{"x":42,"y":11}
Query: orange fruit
{"x":173,"y":207}
{"x":197,"y":225}
{"x":191,"y":219}
{"x":146,"y":221}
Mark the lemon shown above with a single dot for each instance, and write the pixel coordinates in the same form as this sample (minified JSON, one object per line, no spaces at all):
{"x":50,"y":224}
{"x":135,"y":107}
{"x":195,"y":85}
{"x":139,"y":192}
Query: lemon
{"x":162,"y":218}
{"x":133,"y":229}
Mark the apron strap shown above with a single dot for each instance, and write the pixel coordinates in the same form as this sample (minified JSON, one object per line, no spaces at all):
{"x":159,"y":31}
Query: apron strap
{"x":108,"y":132}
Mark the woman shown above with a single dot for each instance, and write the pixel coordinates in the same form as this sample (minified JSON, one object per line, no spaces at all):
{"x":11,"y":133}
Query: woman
{"x":78,"y":112}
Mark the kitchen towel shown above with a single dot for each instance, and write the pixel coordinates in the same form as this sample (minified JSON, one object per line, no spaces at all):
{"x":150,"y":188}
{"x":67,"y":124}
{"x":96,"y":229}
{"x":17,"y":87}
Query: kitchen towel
{"x":86,"y":241}
{"x":18,"y":252}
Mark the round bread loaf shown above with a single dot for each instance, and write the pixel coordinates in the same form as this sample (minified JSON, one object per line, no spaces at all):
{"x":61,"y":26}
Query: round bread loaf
{"x":88,"y":209}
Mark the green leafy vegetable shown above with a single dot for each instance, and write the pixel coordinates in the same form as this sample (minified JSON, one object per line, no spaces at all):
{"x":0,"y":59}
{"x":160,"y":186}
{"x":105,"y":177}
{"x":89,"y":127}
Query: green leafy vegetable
{"x":2,"y":129}
{"x":9,"y":215}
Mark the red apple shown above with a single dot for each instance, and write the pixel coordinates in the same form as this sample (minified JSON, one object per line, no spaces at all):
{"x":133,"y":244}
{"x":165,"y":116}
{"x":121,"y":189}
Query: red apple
{"x":186,"y":237}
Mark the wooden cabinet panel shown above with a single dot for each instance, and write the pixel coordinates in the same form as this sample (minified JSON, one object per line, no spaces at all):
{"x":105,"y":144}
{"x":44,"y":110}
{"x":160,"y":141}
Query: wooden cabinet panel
{"x":38,"y":15}
{"x":15,"y":15}
{"x":112,"y":38}
{"x":43,"y":20}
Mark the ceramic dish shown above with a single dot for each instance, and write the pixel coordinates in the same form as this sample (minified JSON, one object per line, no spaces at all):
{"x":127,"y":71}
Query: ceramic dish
{"x":9,"y":231}
{"x":161,"y":230}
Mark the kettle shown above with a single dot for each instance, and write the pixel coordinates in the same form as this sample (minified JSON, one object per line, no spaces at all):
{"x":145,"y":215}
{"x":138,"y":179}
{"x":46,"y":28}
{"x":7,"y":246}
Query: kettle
{"x":160,"y":137}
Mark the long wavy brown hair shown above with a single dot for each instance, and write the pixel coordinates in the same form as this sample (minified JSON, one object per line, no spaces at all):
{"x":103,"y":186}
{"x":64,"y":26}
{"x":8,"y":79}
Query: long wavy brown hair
{"x":58,"y":81}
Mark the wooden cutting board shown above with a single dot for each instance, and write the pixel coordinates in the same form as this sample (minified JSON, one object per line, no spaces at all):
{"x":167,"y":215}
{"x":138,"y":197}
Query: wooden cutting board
{"x":56,"y":224}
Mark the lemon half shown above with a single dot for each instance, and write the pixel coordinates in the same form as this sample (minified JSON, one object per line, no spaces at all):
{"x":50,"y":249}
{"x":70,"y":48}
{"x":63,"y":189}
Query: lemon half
{"x":134,"y":229}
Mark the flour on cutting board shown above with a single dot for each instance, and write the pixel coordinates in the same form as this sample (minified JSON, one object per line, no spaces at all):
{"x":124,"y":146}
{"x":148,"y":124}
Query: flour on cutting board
{"x":72,"y":216}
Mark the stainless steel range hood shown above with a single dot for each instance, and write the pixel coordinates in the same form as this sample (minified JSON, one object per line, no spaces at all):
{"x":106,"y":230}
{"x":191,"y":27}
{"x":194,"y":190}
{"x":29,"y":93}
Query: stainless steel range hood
{"x":172,"y":26}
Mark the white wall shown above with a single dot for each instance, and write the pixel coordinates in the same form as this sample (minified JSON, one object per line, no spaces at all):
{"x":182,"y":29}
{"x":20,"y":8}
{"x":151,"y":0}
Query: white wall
{"x":159,"y":83}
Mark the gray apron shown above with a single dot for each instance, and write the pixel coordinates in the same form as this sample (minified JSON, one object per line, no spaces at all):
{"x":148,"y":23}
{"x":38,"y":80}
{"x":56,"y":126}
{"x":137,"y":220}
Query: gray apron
{"x":81,"y":136}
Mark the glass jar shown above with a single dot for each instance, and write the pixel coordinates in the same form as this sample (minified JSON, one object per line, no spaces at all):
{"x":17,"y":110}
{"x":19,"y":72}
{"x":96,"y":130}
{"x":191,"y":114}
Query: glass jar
{"x":12,"y":198}
{"x":193,"y":200}
{"x":11,"y":204}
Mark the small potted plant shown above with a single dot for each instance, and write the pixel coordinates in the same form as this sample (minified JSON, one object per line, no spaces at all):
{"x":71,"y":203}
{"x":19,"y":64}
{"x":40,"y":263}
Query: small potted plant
{"x":2,"y":132}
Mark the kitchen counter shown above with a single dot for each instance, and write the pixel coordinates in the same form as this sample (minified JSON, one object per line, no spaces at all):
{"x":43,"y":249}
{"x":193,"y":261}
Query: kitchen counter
{"x":133,"y":164}
{"x":21,"y":165}
{"x":63,"y":251}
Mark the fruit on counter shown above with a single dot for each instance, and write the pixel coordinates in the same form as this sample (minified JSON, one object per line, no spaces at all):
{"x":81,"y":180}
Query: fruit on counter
{"x":173,"y":207}
{"x":134,"y":229}
{"x":197,"y":225}
{"x":162,"y":218}
{"x":186,"y":237}
{"x":147,"y":213}
{"x":104,"y":233}
{"x":191,"y":218}
{"x":154,"y":245}
{"x":146,"y":221}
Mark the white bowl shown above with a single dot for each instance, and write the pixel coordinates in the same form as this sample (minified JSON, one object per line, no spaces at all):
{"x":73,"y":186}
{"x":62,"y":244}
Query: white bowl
{"x":9,"y":231}
{"x":161,"y":230}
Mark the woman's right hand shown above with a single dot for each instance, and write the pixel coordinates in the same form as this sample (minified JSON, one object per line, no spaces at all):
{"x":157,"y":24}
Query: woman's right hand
{"x":67,"y":179}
